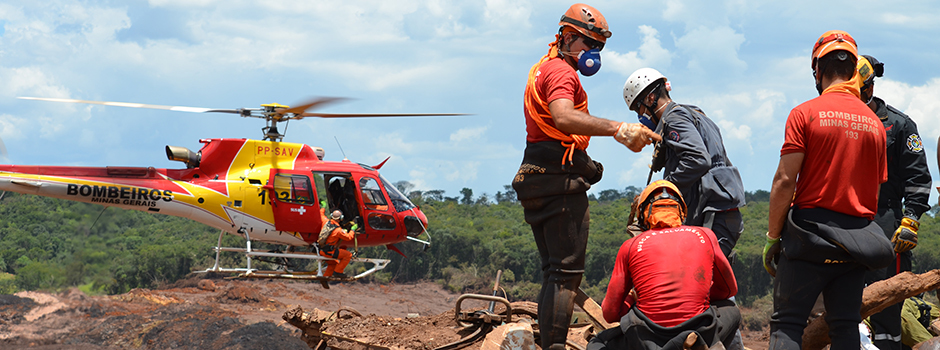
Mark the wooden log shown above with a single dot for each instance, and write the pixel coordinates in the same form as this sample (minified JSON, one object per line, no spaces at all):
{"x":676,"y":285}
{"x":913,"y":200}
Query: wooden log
{"x":592,"y":309}
{"x":875,"y":298}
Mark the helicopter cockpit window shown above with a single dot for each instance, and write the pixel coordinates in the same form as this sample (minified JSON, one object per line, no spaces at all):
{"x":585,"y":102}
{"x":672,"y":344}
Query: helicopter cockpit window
{"x":293,"y":189}
{"x":399,"y":200}
{"x":372,"y":196}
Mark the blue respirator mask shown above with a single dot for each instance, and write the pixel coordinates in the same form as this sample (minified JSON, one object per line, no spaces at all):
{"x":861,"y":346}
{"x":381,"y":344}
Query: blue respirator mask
{"x":589,"y":62}
{"x":645,"y":120}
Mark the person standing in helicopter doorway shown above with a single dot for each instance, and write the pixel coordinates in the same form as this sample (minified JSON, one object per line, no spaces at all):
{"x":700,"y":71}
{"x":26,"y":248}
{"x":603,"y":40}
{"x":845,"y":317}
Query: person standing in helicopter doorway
{"x":556,"y":172}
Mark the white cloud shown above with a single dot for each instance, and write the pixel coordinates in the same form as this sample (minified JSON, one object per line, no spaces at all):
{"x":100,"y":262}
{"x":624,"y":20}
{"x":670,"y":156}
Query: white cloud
{"x":12,"y":127}
{"x":29,"y":81}
{"x":394,"y":141}
{"x":919,"y":102}
{"x":713,"y":49}
{"x":186,"y":3}
{"x":917,"y":20}
{"x":650,"y":54}
{"x":637,"y":170}
{"x":674,"y":9}
{"x":463,"y":171}
{"x":468,"y":134}
{"x":508,"y":14}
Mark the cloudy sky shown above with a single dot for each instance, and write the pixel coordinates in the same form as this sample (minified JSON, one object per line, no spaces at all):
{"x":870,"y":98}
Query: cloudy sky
{"x":745,"y":63}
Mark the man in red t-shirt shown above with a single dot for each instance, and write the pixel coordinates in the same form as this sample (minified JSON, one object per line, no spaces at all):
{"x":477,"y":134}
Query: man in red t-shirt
{"x":556,"y":171}
{"x":823,"y":199}
{"x":680,"y":277}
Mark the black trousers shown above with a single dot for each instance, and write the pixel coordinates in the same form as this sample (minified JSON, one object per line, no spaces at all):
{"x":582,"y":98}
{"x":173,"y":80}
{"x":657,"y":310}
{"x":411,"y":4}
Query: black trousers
{"x":560,"y":227}
{"x":799,"y":283}
{"x":886,"y":325}
{"x":727,"y":226}
{"x":796,"y":288}
{"x":719,"y":323}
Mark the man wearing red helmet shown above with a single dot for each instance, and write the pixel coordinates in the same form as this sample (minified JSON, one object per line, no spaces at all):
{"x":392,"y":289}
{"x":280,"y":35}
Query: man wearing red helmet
{"x":681,"y":278}
{"x":820,"y":218}
{"x":556,"y":172}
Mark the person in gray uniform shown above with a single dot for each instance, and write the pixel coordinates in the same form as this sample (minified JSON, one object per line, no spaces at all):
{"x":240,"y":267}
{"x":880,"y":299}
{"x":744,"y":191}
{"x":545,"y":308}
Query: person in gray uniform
{"x":693,"y":158}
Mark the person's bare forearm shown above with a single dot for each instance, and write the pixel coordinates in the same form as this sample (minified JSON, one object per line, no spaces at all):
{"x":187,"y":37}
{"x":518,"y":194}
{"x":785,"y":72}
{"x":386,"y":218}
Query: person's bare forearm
{"x":781,"y":192}
{"x":573,"y":121}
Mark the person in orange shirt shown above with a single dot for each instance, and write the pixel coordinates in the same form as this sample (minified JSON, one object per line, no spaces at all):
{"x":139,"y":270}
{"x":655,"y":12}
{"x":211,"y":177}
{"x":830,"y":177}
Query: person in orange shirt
{"x":330,"y":246}
{"x":556,"y":171}
{"x":821,"y":233}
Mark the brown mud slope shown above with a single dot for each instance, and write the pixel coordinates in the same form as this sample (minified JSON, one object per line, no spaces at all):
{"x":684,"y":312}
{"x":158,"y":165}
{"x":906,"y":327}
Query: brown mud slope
{"x":197,"y":314}
{"x":234,"y":314}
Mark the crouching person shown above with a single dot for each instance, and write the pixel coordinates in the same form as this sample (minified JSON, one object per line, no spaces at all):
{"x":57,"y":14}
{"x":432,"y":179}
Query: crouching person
{"x":680,"y":278}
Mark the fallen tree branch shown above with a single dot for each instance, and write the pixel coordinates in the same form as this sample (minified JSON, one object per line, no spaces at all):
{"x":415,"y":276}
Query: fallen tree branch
{"x":875,"y":298}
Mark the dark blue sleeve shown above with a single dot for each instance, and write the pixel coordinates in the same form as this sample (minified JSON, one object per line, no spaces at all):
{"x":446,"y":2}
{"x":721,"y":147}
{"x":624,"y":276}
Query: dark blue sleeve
{"x":681,"y":135}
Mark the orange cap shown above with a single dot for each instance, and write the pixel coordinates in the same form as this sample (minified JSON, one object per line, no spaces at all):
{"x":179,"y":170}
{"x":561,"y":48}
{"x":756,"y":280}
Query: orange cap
{"x":831,"y":41}
{"x":587,"y":20}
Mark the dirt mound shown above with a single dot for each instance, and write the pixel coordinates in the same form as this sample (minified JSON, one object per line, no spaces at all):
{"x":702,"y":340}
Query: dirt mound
{"x":405,"y":333}
{"x":239,"y":314}
{"x":240,"y":294}
{"x":246,"y":314}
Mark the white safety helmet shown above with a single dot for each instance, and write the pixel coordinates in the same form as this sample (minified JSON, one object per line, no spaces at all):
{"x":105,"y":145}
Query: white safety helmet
{"x":637,"y":82}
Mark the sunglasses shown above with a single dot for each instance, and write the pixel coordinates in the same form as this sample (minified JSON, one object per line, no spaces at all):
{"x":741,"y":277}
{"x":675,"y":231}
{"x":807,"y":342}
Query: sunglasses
{"x":594,"y":44}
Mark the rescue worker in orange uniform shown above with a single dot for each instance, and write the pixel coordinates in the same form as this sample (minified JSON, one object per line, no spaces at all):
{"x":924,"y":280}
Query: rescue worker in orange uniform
{"x":820,"y":219}
{"x":556,"y":172}
{"x":681,"y":278}
{"x":331,"y":248}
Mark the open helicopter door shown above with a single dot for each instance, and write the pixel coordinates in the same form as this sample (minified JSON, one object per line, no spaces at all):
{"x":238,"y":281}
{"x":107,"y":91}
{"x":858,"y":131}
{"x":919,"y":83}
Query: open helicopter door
{"x":377,"y":213}
{"x":294,"y":202}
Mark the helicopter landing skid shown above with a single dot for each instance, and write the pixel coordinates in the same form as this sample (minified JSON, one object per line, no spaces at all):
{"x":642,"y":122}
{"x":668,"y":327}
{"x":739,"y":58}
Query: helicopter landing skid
{"x":285,"y":273}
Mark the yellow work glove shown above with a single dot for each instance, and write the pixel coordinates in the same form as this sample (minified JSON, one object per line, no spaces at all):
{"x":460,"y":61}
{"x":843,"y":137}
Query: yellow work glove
{"x":905,"y":237}
{"x":635,"y":136}
{"x":354,"y":227}
{"x":771,"y":255}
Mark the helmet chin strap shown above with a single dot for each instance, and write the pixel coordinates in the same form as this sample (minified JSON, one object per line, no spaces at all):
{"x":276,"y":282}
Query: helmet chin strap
{"x":566,"y":53}
{"x":655,"y":103}
{"x":659,"y":109}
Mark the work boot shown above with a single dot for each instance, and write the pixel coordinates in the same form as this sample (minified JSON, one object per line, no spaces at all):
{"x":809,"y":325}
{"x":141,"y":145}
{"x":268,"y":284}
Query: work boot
{"x":340,"y":275}
{"x":325,"y":284}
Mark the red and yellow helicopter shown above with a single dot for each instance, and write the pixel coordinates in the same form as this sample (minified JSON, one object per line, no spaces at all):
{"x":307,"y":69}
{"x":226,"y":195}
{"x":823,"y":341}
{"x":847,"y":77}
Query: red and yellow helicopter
{"x":264,"y":191}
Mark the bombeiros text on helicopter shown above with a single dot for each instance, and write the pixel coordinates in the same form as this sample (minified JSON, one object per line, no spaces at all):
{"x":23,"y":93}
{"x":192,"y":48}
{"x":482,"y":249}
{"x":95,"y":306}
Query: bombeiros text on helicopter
{"x":266,"y":191}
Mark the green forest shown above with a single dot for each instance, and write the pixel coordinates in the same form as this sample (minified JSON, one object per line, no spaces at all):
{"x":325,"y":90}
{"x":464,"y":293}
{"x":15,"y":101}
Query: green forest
{"x":52,"y":244}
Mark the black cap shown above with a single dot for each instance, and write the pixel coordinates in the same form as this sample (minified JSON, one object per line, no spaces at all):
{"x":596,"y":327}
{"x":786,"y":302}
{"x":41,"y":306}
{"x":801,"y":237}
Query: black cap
{"x":876,"y":65}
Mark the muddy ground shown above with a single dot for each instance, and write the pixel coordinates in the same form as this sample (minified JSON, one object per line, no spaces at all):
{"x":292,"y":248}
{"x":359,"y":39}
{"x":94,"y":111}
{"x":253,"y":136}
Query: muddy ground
{"x":235,"y":314}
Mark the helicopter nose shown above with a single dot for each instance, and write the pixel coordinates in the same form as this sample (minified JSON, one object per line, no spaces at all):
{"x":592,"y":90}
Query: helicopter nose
{"x":415,"y":225}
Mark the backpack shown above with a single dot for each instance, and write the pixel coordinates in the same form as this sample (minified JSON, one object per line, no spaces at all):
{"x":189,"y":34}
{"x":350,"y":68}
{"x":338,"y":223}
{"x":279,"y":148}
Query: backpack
{"x":325,"y":233}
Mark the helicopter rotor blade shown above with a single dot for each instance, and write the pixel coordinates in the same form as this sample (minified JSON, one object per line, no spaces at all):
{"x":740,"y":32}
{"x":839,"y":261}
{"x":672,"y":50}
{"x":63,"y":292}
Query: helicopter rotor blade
{"x":136,"y":105}
{"x":318,"y":102}
{"x":377,"y":115}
